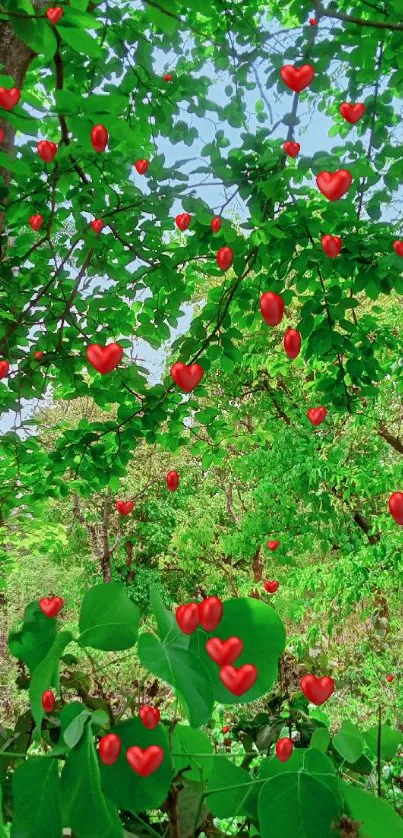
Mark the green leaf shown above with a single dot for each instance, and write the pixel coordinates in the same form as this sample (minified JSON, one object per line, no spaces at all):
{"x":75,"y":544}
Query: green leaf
{"x":37,"y":34}
{"x":87,"y":810}
{"x":78,"y":17}
{"x":183,"y":671}
{"x":376,"y":817}
{"x":34,"y":640}
{"x":229,"y":801}
{"x":80,"y":41}
{"x":166,"y":622}
{"x":162,"y":21}
{"x":187,"y":741}
{"x":75,"y":729}
{"x":109,"y":620}
{"x":37,"y":802}
{"x":349,"y":742}
{"x":46,"y":674}
{"x":295,"y":804}
{"x":320,"y":739}
{"x":390,"y":741}
{"x":127,"y":789}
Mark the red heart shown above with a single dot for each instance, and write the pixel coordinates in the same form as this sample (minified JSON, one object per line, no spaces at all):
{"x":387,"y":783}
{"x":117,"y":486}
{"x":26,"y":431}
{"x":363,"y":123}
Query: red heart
{"x":317,"y":690}
{"x":334,"y":185}
{"x":9,"y":97}
{"x":316,"y":415}
{"x":187,"y":377}
{"x":51,"y":606}
{"x":1,"y":135}
{"x":210,"y":612}
{"x":297,"y":78}
{"x":187,"y":617}
{"x":109,"y":748}
{"x":331,"y":245}
{"x":104,"y":358}
{"x":284,"y":748}
{"x":390,"y":678}
{"x":313,"y":21}
{"x":292,"y":343}
{"x":141,"y":166}
{"x":47,"y":150}
{"x":215,"y":224}
{"x":398,"y":247}
{"x":168,"y":76}
{"x":124,"y":507}
{"x":36,"y":222}
{"x":150,"y":716}
{"x":172,"y":480}
{"x":272,"y":308}
{"x":224,"y":652}
{"x":99,"y":138}
{"x":291,"y":149}
{"x":396,"y":506}
{"x":226,"y":728}
{"x":38,"y":355}
{"x":238,"y":681}
{"x":352,"y":113}
{"x":54,"y":14}
{"x":272,"y":545}
{"x":48,"y":701}
{"x":271,"y":586}
{"x":145,"y":762}
{"x":4,"y":368}
{"x":183,"y":220}
{"x":97,"y":225}
{"x":225,"y":258}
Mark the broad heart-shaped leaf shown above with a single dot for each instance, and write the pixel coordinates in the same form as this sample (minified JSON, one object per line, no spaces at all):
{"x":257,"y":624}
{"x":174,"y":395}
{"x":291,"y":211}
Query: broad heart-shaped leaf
{"x":191,"y":808}
{"x":349,"y":742}
{"x":126,"y":788}
{"x":46,"y":674}
{"x":109,"y":620}
{"x":320,"y":739}
{"x":229,"y":801}
{"x":390,"y":740}
{"x":377,"y":818}
{"x":187,"y":741}
{"x":295,"y":804}
{"x":166,"y":622}
{"x":183,"y":671}
{"x":263,"y":637}
{"x":75,"y":729}
{"x":86,"y":809}
{"x":34,"y":640}
{"x":37,"y":801}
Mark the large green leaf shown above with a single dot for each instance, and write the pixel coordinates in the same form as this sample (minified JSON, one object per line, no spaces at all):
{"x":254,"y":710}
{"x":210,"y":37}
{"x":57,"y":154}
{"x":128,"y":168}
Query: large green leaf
{"x":37,"y":801}
{"x":390,"y":741}
{"x":80,"y":40}
{"x":37,"y":34}
{"x":376,"y":817}
{"x":126,"y":788}
{"x":46,"y":674}
{"x":295,"y":804}
{"x":349,"y":742}
{"x":34,"y":640}
{"x":228,"y":788}
{"x":109,"y":620}
{"x":263,"y":637}
{"x":168,"y":628}
{"x":185,"y":742}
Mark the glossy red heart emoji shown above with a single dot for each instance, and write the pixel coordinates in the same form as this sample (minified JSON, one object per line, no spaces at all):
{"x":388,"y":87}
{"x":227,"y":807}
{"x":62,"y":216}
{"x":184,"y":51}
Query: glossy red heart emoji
{"x":226,"y":728}
{"x":186,"y":377}
{"x":141,"y":166}
{"x":47,"y":150}
{"x":317,"y":690}
{"x":215,"y":224}
{"x":390,"y":678}
{"x":150,"y":716}
{"x":172,"y":480}
{"x":396,"y":506}
{"x":124,"y":507}
{"x":36,"y":222}
{"x":187,"y":617}
{"x":272,"y":308}
{"x":316,"y":415}
{"x":104,"y":358}
{"x":352,"y":113}
{"x":183,"y":220}
{"x":145,"y":762}
{"x":225,"y":258}
{"x":51,"y":606}
{"x":4,"y":368}
{"x":38,"y":355}
{"x":99,"y":138}
{"x":334,"y":185}
{"x":9,"y":97}
{"x":331,"y":245}
{"x":210,"y":613}
{"x":97,"y":225}
{"x":238,"y":681}
{"x":398,"y":247}
{"x":54,"y":15}
{"x":48,"y":701}
{"x":313,"y":21}
{"x":109,"y":748}
{"x":292,"y":343}
{"x":297,"y":78}
{"x":167,"y":76}
{"x":271,"y":586}
{"x":272,"y":545}
{"x":290,"y":148}
{"x":284,"y":749}
{"x":224,"y":652}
